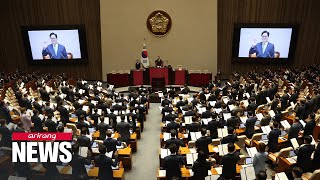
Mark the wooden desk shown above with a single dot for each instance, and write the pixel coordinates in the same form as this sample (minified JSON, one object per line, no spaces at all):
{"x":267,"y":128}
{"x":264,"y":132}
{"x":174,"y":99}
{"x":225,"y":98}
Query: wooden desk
{"x":180,"y":135}
{"x":211,"y":151}
{"x":316,"y":132}
{"x":284,"y":165}
{"x":125,"y":156}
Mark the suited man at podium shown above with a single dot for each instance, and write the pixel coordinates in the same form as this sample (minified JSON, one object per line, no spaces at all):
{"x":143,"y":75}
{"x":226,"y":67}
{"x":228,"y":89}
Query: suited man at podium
{"x":159,"y":62}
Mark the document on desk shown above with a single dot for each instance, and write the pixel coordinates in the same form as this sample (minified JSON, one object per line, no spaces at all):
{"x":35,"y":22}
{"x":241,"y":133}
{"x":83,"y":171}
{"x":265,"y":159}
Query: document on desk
{"x":266,"y":129}
{"x":302,"y":123}
{"x":268,"y":99}
{"x":271,"y":113}
{"x":83,"y":151}
{"x":281,"y":176}
{"x":188,"y":119}
{"x":99,"y":111}
{"x":218,"y":110}
{"x":162,"y":173}
{"x":259,"y":116}
{"x":252,"y":151}
{"x":231,"y":107}
{"x":245,"y":103}
{"x":225,"y":100}
{"x":294,"y":143}
{"x":222,"y":132}
{"x":223,"y":149}
{"x":192,"y":150}
{"x":226,"y":116}
{"x":285,"y":124}
{"x":106,"y":120}
{"x":206,"y":120}
{"x":164,"y":153}
{"x":291,"y":160}
{"x":219,"y":170}
{"x":191,"y":158}
{"x":247,"y":173}
{"x":243,"y":119}
{"x":166,"y":136}
{"x":212,"y":103}
{"x":195,"y":135}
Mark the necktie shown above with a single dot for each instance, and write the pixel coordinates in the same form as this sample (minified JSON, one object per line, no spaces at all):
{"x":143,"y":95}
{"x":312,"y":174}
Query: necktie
{"x":263,"y":47}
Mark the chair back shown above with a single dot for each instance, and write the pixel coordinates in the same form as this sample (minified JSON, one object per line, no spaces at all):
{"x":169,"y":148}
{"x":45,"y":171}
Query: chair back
{"x":241,"y":141}
{"x":73,"y":127}
{"x":284,"y":152}
{"x":216,"y":142}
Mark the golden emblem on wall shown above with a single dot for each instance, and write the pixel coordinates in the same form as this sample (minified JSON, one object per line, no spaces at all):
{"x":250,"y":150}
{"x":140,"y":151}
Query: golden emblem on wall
{"x":159,"y":23}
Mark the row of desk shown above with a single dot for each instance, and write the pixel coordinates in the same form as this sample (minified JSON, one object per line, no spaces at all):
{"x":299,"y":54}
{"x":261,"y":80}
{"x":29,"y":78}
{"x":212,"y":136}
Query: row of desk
{"x":171,"y":76}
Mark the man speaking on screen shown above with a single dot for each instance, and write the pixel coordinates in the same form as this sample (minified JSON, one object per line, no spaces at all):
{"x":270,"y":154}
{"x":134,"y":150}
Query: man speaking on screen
{"x":54,"y":50}
{"x":262,"y":49}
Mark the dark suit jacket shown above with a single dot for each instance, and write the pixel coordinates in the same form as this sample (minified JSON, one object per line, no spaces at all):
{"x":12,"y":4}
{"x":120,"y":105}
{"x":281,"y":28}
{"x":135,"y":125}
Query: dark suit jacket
{"x":52,"y":126}
{"x":294,"y":130}
{"x":173,"y":140}
{"x":37,"y":123}
{"x":200,"y":169}
{"x":193,"y":127}
{"x":103,"y":127}
{"x":95,"y":118}
{"x":84,"y":141}
{"x":316,"y":158}
{"x":111,"y":144}
{"x":172,"y":125}
{"x":250,"y":127}
{"x":308,"y":129}
{"x":78,"y":165}
{"x":61,"y":52}
{"x":124,"y":130}
{"x":265,"y":121}
{"x":172,"y":166}
{"x":273,"y":140}
{"x":64,"y":114}
{"x":82,"y":124}
{"x":304,"y":157}
{"x":268,"y":53}
{"x":206,"y":114}
{"x":229,"y":162}
{"x":104,"y":163}
{"x":6,"y":137}
{"x":37,"y":106}
{"x":52,"y":172}
{"x":213,"y":128}
{"x":233,"y":122}
{"x":231,"y":138}
{"x":202,"y":144}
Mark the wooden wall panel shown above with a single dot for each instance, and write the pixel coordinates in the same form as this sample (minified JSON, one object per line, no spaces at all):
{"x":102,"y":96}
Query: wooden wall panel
{"x":304,"y":13}
{"x":17,"y":13}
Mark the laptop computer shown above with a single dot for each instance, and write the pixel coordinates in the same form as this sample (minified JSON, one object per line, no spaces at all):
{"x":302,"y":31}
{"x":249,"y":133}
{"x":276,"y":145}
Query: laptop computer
{"x":248,"y":160}
{"x":283,"y":133}
{"x":264,"y":137}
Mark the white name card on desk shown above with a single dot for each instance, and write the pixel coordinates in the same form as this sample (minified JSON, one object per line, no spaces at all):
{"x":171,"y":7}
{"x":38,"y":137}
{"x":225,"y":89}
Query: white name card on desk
{"x":281,"y":176}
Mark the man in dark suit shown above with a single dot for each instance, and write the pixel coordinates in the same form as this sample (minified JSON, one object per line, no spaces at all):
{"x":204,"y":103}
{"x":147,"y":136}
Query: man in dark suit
{"x":263,"y":49}
{"x":52,"y":126}
{"x":54,"y":50}
{"x":113,"y":118}
{"x":110,"y":143}
{"x":5,"y":133}
{"x":229,"y":162}
{"x":37,"y":122}
{"x":252,"y":106}
{"x":194,"y":126}
{"x":265,"y":121}
{"x":132,"y":119}
{"x":213,"y":127}
{"x":233,"y":121}
{"x":190,"y":112}
{"x":173,"y":125}
{"x":174,"y":140}
{"x":104,"y":163}
{"x":166,"y":101}
{"x":180,"y":103}
{"x":231,"y":138}
{"x":273,"y":137}
{"x":78,"y":163}
{"x":316,"y":158}
{"x":300,"y":109}
{"x":83,"y":140}
{"x":304,"y":155}
{"x":80,"y":112}
{"x":124,"y":130}
{"x":102,"y":127}
{"x":37,"y":106}
{"x":310,"y":125}
{"x":251,"y":121}
{"x":95,"y":117}
{"x":203,"y":142}
{"x":194,"y":101}
{"x":166,"y":109}
{"x":48,"y":110}
{"x":81,"y":123}
{"x":64,"y":113}
{"x":295,"y":129}
{"x":173,"y":163}
{"x":207,"y":113}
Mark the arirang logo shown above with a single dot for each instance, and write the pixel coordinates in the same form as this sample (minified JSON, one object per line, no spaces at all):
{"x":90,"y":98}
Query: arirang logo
{"x":45,"y":150}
